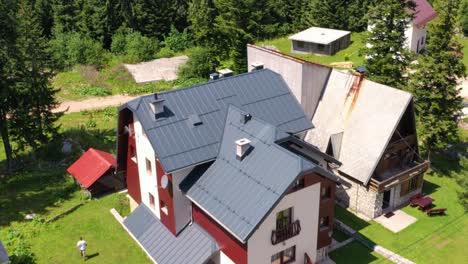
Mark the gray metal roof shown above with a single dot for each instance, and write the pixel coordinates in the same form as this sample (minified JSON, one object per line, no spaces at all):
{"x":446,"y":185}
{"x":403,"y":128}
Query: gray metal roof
{"x":239,"y":194}
{"x":179,"y":144}
{"x":192,"y":245}
{"x":3,"y":254}
{"x":367,"y":118}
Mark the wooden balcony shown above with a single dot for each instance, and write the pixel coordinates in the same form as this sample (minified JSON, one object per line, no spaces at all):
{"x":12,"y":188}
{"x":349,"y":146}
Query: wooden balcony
{"x":398,"y":177}
{"x":291,"y":230}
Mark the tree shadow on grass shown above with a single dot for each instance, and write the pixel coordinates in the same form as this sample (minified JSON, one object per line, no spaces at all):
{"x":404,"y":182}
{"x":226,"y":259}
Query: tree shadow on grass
{"x":41,"y":180}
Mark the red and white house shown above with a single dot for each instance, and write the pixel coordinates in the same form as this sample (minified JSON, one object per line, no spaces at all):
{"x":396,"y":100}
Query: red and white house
{"x":219,"y":173}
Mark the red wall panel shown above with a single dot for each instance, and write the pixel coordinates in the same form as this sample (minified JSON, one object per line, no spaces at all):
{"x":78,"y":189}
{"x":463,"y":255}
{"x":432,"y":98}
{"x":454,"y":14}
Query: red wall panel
{"x":133,"y":178}
{"x":166,"y":196}
{"x":230,"y":246}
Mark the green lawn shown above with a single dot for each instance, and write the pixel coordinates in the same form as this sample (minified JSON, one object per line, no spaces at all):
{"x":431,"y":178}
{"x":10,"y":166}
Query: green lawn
{"x":44,"y":187}
{"x":349,"y":54}
{"x":434,"y":239}
{"x":84,"y":81}
{"x":356,"y":253}
{"x":464,"y":42}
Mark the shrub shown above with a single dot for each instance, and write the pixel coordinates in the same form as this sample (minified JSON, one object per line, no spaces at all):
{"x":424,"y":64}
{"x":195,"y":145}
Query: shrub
{"x":202,"y":62}
{"x":69,"y":49}
{"x":133,"y":46}
{"x":177,"y":41}
{"x":20,"y":252}
{"x":165,"y":52}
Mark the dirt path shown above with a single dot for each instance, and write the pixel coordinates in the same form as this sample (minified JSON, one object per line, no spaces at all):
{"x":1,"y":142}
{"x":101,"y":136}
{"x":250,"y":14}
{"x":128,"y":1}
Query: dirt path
{"x":93,"y":103}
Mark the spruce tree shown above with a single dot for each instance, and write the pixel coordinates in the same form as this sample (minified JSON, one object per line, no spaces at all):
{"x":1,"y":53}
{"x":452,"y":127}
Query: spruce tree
{"x":201,"y":15}
{"x":328,"y":14}
{"x":8,"y":35}
{"x":386,"y":55}
{"x":31,"y":120}
{"x":437,"y":100}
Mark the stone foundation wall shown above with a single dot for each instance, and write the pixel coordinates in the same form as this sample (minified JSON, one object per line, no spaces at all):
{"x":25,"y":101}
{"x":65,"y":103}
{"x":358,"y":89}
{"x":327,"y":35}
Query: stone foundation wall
{"x":399,"y":201}
{"x":133,"y":203}
{"x":359,"y":199}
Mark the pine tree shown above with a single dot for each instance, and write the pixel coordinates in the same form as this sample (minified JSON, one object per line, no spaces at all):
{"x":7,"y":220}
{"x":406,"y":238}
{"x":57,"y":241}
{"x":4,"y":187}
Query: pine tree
{"x":8,"y":35}
{"x":201,"y":15}
{"x":65,"y":15}
{"x":92,"y":19}
{"x":437,"y":100}
{"x":386,"y":55}
{"x":31,"y":120}
{"x":328,"y":14}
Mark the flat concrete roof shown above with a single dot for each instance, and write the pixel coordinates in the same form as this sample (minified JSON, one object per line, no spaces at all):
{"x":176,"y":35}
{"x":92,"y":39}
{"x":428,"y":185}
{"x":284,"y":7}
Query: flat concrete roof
{"x":318,"y":35}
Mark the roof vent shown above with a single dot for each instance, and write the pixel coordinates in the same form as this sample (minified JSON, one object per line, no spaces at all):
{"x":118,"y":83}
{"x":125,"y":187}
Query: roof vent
{"x":194,"y":120}
{"x":225,"y":73}
{"x":257,"y":66}
{"x":214,"y":76}
{"x":242,"y":146}
{"x":157,"y":106}
{"x":246,"y":118}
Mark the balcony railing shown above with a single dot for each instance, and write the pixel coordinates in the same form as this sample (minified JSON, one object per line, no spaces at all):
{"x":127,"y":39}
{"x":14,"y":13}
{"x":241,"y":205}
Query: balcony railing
{"x":291,"y":230}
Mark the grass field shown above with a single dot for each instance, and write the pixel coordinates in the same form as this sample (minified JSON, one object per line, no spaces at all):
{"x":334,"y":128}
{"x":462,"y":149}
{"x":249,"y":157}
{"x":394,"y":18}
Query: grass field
{"x":43,"y":187}
{"x":435,"y":239}
{"x":349,"y":54}
{"x":356,"y":253}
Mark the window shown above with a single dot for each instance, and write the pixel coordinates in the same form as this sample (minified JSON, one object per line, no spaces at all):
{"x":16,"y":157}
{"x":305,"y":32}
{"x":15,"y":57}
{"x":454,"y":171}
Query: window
{"x":132,"y":153}
{"x":163,"y":207}
{"x":300,"y":44}
{"x":413,"y":183}
{"x":298,"y":184}
{"x":284,"y":257}
{"x":324,"y":222}
{"x":325,"y":192}
{"x":321,"y":47}
{"x":151,"y":200}
{"x":283,"y":218}
{"x":149,"y":168}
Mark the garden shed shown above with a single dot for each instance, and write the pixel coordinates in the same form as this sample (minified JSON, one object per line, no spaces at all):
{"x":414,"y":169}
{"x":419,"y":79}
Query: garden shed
{"x":3,"y":254}
{"x":320,"y":41}
{"x":94,"y":171}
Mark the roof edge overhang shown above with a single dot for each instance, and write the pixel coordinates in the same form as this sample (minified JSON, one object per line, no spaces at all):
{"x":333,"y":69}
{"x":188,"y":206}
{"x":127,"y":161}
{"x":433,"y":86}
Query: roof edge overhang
{"x":389,"y":137}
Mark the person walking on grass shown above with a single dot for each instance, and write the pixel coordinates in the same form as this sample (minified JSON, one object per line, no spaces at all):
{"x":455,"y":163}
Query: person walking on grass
{"x":81,"y":245}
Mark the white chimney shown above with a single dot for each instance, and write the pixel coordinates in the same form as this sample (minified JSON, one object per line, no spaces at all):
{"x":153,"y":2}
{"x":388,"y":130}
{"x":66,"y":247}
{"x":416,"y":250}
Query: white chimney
{"x":242,"y":145}
{"x":157,"y":106}
{"x":256,"y":66}
{"x":225,"y":73}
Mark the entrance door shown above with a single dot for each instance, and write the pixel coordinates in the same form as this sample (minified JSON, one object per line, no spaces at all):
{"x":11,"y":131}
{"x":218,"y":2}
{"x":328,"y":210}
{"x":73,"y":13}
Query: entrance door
{"x":386,"y":199}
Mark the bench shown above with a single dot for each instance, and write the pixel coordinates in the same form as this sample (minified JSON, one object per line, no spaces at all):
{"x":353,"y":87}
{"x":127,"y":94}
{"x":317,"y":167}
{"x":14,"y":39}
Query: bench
{"x":437,"y":211}
{"x":413,"y":199}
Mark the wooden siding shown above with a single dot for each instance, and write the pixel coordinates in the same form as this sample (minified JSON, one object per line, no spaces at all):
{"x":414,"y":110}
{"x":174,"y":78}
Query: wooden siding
{"x":166,"y":197}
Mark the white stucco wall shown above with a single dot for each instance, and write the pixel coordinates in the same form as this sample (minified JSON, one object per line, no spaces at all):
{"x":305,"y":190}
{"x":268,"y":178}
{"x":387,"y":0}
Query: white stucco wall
{"x":182,"y":205}
{"x":414,"y":34}
{"x":305,"y":205}
{"x":289,"y":69}
{"x":148,"y":183}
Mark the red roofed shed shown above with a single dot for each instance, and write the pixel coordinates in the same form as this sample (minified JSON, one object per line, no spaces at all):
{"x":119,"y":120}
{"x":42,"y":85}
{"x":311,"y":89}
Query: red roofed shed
{"x":94,"y":171}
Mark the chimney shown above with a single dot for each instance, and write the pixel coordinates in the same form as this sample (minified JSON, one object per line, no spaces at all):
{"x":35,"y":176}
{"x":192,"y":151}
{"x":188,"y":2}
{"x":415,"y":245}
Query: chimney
{"x":242,"y":146}
{"x":225,"y":73}
{"x":245,"y":118}
{"x":214,"y":76}
{"x":157,"y":106}
{"x":256,"y":66}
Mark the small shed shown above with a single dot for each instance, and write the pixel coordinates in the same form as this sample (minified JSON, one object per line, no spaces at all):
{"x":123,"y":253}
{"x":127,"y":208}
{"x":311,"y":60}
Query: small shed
{"x":3,"y":254}
{"x":320,"y":41}
{"x":95,"y":172}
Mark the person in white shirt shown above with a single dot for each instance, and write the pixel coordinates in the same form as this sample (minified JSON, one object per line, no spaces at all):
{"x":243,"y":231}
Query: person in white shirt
{"x":81,"y":245}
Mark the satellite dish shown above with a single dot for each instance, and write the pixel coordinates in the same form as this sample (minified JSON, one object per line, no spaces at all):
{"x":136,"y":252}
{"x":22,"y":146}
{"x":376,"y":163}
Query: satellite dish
{"x":164,"y":181}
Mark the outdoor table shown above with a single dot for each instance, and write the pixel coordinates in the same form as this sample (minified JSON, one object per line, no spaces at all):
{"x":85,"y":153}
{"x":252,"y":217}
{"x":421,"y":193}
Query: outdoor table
{"x":424,"y":202}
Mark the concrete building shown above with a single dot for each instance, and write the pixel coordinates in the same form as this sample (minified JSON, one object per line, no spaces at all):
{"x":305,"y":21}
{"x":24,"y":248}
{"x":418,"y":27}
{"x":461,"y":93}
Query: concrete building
{"x":217,"y":173}
{"x":320,"y":41}
{"x":367,"y":126}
